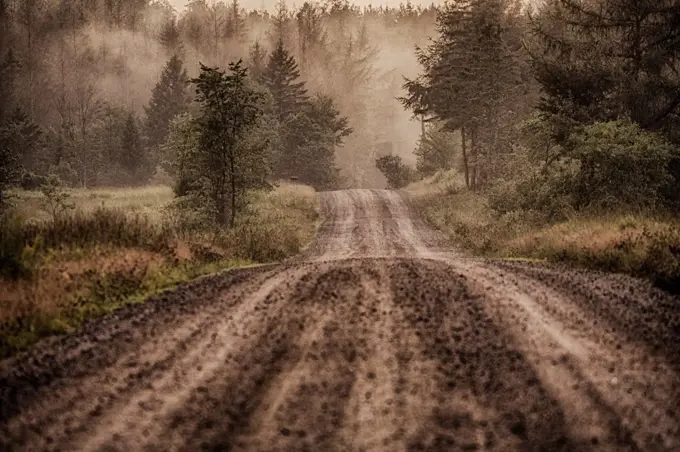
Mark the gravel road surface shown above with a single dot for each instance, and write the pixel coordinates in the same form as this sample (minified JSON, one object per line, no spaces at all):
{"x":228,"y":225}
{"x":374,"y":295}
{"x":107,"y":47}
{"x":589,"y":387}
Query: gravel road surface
{"x":377,"y":338}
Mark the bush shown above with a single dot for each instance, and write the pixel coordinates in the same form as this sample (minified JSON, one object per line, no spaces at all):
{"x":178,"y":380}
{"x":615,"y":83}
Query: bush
{"x":17,"y":253}
{"x":605,"y":167}
{"x":397,"y":173}
{"x":31,"y":181}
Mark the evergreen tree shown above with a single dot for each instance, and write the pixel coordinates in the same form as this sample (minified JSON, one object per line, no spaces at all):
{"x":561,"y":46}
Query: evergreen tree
{"x":282,"y":79}
{"x":435,"y":151}
{"x":170,"y":38}
{"x":235,"y":25}
{"x":602,"y":60}
{"x":133,"y":157}
{"x":168,"y":99}
{"x":311,"y":137}
{"x":473,"y":80}
{"x":257,"y":61}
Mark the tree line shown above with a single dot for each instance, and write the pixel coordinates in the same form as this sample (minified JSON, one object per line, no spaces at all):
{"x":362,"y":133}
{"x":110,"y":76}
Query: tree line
{"x":90,"y":89}
{"x":567,"y":106}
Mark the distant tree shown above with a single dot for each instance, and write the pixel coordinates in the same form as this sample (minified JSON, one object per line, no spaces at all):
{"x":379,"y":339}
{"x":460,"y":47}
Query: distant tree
{"x":235,"y":24}
{"x":282,"y":78}
{"x":134,"y":158}
{"x":10,"y":169}
{"x":169,"y":98}
{"x":311,"y":33}
{"x":311,"y":137}
{"x":257,"y":61}
{"x":177,"y":153}
{"x":397,"y":173}
{"x":8,"y":73}
{"x":170,"y":38}
{"x":436,"y":151}
{"x":228,"y":167}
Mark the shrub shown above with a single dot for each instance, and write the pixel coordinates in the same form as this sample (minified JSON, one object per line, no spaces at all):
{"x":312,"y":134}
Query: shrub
{"x":604,"y":167}
{"x":397,"y":173}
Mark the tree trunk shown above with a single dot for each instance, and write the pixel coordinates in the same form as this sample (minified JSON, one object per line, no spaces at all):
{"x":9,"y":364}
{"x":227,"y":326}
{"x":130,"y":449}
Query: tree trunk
{"x":466,"y":166}
{"x":473,"y":155}
{"x":233,"y":192}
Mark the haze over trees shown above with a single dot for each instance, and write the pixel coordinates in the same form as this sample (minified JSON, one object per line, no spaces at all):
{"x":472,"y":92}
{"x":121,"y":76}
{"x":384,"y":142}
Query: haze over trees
{"x":90,"y":89}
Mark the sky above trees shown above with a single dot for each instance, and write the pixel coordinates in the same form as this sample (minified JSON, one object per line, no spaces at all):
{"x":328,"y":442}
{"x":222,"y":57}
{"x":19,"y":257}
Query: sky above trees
{"x":269,"y":4}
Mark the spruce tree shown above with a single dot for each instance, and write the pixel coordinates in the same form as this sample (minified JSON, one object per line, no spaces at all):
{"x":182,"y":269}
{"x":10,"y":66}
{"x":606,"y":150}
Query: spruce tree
{"x":132,"y":155}
{"x":168,"y":99}
{"x":235,"y":25}
{"x":170,"y":38}
{"x":257,"y":61}
{"x":282,"y":79}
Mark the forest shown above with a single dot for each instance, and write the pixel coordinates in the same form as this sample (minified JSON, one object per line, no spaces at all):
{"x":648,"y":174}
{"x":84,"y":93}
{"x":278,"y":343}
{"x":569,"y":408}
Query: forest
{"x":90,"y":88}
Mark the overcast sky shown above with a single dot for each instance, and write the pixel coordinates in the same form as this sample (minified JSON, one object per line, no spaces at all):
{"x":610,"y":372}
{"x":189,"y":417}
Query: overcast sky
{"x":269,"y":4}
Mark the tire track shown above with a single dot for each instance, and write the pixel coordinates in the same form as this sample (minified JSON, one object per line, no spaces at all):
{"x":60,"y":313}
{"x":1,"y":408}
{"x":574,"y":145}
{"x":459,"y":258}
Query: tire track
{"x":377,"y":338}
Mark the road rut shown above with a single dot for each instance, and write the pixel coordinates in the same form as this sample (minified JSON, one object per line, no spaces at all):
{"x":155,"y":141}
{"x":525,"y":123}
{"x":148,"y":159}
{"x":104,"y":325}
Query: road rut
{"x":378,"y":338}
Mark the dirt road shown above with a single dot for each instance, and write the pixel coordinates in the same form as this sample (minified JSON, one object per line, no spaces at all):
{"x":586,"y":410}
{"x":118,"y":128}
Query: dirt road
{"x":377,"y":339}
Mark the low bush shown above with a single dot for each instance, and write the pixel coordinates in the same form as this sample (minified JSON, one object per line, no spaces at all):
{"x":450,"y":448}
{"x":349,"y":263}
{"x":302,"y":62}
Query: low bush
{"x":397,"y":173}
{"x":604,"y":167}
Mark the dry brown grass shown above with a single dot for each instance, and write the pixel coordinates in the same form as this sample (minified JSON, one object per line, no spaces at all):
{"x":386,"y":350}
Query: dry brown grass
{"x":98,"y":259}
{"x":643,"y":245}
{"x":66,"y":273}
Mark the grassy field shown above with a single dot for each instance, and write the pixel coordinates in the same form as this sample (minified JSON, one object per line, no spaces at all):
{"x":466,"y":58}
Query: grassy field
{"x":117,"y":247}
{"x":640,"y":245}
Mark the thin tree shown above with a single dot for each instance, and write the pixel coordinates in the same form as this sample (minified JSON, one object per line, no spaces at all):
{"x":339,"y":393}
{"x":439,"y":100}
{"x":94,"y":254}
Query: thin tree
{"x":230,"y":110}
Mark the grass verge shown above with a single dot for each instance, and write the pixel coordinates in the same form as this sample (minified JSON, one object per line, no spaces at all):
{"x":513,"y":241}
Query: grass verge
{"x":640,"y":245}
{"x":57,"y":274}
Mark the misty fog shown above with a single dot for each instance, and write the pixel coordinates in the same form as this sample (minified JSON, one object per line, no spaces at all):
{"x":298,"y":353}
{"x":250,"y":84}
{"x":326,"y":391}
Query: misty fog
{"x":76,"y":59}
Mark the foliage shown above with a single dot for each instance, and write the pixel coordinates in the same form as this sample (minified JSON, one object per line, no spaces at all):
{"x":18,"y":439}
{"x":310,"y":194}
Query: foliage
{"x":57,"y":201}
{"x":397,"y":173}
{"x":69,"y":277}
{"x":609,"y":166}
{"x":436,"y":151}
{"x":169,"y":98}
{"x":310,"y":139}
{"x":227,"y":163}
{"x":640,"y":245}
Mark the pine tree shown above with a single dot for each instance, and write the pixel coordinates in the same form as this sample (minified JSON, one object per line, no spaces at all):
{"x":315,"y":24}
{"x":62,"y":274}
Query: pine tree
{"x":170,"y":38}
{"x":132,"y":157}
{"x":235,"y":25}
{"x":257,"y":60}
{"x":168,"y":99}
{"x":281,"y":77}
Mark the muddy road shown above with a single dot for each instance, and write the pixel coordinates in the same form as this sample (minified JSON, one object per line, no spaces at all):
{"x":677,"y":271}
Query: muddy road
{"x":378,"y":338}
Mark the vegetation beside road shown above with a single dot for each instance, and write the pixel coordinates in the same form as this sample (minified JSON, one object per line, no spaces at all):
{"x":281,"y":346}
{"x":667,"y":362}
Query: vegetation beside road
{"x":122,"y":245}
{"x":644,"y":244}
